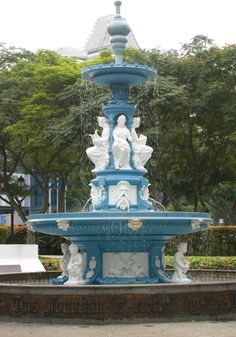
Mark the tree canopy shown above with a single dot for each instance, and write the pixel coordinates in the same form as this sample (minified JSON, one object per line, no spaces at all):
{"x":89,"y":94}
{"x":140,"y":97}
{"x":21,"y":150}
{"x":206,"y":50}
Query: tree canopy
{"x":188,"y":113}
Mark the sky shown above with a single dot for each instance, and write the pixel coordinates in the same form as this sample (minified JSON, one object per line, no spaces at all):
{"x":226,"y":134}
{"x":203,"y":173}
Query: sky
{"x":165,"y":24}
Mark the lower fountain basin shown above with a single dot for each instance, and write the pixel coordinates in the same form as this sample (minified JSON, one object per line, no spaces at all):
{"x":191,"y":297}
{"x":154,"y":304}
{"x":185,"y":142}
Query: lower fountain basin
{"x":121,"y":247}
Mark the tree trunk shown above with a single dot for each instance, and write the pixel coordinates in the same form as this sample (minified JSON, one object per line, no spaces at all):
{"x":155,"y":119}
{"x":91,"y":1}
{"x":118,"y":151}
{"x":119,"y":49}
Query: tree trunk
{"x":61,"y":195}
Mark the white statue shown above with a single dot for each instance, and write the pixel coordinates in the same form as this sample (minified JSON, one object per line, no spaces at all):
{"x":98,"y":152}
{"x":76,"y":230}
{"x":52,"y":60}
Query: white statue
{"x":75,"y":266}
{"x":98,"y":153}
{"x":64,"y":260}
{"x":121,"y":146}
{"x":122,"y":198}
{"x":96,"y":193}
{"x":141,"y":152}
{"x":181,"y":265}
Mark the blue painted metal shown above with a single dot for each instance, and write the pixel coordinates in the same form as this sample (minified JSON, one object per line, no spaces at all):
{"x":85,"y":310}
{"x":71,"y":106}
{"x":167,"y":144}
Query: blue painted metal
{"x":106,"y":228}
{"x":56,"y":281}
{"x":98,"y":232}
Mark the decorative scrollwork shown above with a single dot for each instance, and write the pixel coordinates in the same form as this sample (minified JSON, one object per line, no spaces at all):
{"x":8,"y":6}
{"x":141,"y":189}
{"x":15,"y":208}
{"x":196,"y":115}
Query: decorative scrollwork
{"x":63,"y":224}
{"x":92,"y":266}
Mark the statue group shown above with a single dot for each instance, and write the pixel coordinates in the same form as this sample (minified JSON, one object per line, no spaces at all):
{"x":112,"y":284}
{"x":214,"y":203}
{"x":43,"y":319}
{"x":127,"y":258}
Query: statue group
{"x":124,"y":141}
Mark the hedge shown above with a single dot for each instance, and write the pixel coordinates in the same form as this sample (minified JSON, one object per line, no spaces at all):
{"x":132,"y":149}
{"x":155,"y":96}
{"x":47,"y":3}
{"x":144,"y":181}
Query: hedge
{"x":207,"y":243}
{"x":207,"y":262}
{"x":48,"y":244}
{"x":196,"y":262}
{"x":50,"y":264}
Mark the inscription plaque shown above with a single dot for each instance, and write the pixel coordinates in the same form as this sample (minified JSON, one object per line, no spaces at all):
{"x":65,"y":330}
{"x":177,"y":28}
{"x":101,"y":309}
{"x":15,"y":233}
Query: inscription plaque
{"x":111,"y":303}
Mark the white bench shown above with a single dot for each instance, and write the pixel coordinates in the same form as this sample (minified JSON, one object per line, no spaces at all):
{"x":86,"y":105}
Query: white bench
{"x":19,"y":258}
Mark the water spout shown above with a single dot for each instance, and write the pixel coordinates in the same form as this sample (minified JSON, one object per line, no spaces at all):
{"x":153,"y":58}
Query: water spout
{"x":158,"y":203}
{"x":86,"y":204}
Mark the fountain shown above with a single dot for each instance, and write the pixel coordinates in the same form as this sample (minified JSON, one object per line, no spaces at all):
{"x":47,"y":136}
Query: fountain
{"x":122,"y":239}
{"x":115,"y":270}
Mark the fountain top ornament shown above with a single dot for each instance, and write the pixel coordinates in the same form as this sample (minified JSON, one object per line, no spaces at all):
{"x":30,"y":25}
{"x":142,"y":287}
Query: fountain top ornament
{"x":119,"y":71}
{"x":118,"y":29}
{"x":123,"y":238}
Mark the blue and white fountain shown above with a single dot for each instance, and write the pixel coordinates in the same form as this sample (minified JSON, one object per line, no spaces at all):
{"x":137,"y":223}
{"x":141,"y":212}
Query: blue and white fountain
{"x":122,"y":239}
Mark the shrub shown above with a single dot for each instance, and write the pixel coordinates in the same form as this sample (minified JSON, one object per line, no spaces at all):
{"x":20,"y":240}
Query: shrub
{"x":207,"y":243}
{"x":207,"y":262}
{"x":49,"y":244}
{"x":50,"y":264}
{"x":196,"y":262}
{"x":4,"y":234}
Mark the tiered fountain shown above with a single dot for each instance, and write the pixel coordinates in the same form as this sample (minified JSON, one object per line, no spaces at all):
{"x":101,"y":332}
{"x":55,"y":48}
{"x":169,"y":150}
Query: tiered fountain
{"x":122,"y":239}
{"x":119,"y":273}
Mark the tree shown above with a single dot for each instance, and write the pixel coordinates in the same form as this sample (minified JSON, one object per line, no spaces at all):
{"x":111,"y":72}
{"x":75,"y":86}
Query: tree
{"x":44,"y":138}
{"x":198,"y":43}
{"x":183,"y":113}
{"x":11,"y":91}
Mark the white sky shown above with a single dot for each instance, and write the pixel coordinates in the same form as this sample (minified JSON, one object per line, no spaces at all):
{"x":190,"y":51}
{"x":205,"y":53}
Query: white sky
{"x":37,"y":24}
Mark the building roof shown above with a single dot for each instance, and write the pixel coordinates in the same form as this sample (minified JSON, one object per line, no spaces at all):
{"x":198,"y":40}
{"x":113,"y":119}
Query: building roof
{"x":98,"y":40}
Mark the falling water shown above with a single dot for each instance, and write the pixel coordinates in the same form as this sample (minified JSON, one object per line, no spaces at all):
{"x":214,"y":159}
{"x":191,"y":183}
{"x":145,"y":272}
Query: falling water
{"x":158,"y":203}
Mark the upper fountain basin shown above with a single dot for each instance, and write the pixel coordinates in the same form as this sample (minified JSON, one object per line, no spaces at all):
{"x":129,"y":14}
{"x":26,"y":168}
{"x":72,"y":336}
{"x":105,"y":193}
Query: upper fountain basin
{"x":124,"y":73}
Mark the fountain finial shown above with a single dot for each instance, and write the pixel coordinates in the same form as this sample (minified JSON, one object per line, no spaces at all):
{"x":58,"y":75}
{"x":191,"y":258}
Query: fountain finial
{"x":117,"y":4}
{"x":118,"y":29}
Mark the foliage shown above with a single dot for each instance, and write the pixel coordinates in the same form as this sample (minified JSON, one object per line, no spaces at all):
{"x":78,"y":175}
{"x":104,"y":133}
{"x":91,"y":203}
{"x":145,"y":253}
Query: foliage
{"x":50,"y":264}
{"x":207,"y":243}
{"x":196,"y":262}
{"x":19,"y":235}
{"x":188,"y":114}
{"x":207,"y":262}
{"x":48,"y":244}
{"x":183,"y":112}
{"x":40,"y":104}
{"x":4,"y":234}
{"x":198,"y":43}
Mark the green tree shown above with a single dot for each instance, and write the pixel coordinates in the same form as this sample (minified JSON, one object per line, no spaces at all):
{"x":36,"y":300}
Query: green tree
{"x":189,"y":115}
{"x":11,"y":92}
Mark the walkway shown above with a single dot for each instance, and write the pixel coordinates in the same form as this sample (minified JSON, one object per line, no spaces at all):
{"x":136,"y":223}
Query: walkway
{"x":187,"y":329}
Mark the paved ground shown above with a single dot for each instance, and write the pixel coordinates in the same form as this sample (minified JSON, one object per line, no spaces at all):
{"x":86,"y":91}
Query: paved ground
{"x":187,"y":329}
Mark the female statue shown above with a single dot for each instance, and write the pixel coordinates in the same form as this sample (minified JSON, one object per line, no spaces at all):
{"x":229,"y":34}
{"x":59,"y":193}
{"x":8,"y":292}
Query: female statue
{"x":141,"y":152}
{"x":121,"y":147}
{"x":98,"y":153}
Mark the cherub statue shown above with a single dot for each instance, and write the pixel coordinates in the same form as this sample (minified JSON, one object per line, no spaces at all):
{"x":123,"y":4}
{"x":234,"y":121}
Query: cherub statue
{"x":181,"y":265}
{"x":75,"y":266}
{"x":64,"y":261}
